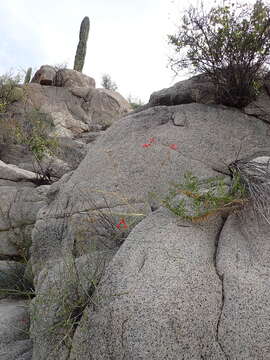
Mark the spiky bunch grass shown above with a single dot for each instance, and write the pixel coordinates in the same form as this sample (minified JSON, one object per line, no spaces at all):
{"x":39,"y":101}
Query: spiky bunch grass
{"x":255,"y":176}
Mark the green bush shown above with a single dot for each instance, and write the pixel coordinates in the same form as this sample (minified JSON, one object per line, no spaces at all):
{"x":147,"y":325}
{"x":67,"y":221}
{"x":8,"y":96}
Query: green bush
{"x":230,"y":43}
{"x":197,"y":200}
{"x":9,"y":91}
{"x":35,"y":133}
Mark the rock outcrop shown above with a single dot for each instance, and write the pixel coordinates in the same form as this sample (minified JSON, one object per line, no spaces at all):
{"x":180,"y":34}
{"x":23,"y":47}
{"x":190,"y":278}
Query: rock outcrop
{"x":73,"y":108}
{"x":119,"y":276}
{"x":150,"y":299}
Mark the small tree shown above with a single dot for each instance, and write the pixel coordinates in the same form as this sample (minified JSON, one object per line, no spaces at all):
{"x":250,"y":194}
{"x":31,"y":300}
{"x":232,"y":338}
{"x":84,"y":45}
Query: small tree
{"x":230,"y":43}
{"x":107,"y":83}
{"x":134,"y":102}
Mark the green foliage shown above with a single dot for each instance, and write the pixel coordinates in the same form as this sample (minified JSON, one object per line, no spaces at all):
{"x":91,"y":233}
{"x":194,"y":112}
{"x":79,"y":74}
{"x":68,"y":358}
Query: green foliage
{"x":230,"y":43}
{"x":82,"y":45}
{"x":135,"y":103}
{"x":34,"y":133}
{"x":107,"y":83}
{"x":28,"y":76}
{"x":202,"y":199}
{"x":9,"y":91}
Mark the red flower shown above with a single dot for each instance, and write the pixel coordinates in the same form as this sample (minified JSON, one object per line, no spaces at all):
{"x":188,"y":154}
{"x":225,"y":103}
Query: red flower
{"x":173,"y":146}
{"x":122,"y":222}
{"x":151,"y":141}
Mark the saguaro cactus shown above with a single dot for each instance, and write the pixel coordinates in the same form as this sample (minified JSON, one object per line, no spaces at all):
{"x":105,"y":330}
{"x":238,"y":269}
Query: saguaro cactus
{"x":28,"y":76}
{"x":81,"y":48}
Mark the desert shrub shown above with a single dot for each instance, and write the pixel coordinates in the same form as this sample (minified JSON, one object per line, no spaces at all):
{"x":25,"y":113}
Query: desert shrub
{"x":135,"y":103}
{"x":9,"y":90}
{"x":34,"y":132}
{"x":230,"y":43}
{"x":107,"y":83}
{"x":197,"y":200}
{"x":255,"y":174}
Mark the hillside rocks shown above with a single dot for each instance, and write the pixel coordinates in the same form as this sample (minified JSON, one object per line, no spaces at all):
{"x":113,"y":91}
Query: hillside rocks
{"x":150,"y":297}
{"x":67,"y":101}
{"x":117,"y":275}
{"x":80,"y":107}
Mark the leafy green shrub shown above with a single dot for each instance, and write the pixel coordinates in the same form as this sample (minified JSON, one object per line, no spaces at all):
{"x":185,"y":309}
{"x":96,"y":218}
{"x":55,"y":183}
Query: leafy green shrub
{"x":197,"y":200}
{"x":9,"y":91}
{"x":230,"y":43}
{"x":35,"y":133}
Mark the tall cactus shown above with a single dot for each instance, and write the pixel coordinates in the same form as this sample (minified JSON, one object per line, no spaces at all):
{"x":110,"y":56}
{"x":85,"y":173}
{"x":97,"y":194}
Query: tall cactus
{"x":81,"y":48}
{"x":28,"y":76}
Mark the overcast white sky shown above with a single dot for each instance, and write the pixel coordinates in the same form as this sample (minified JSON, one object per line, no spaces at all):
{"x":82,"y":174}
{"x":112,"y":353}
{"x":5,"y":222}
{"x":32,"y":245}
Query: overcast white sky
{"x":127,"y":39}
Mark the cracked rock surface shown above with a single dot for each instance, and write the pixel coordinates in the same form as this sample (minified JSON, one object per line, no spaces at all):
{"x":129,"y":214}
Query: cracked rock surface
{"x":243,"y":263}
{"x":160,"y":297}
{"x":172,"y":290}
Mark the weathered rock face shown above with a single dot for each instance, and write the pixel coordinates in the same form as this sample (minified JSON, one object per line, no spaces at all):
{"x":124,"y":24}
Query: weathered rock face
{"x":80,"y":107}
{"x":45,"y":75}
{"x":260,"y":107}
{"x":71,"y":78}
{"x":150,"y":298}
{"x":51,"y":76}
{"x":196,"y":89}
{"x":243,"y":266}
{"x":14,"y":328}
{"x":14,"y":173}
{"x":103,"y":106}
{"x":19,"y":207}
{"x":159,"y":298}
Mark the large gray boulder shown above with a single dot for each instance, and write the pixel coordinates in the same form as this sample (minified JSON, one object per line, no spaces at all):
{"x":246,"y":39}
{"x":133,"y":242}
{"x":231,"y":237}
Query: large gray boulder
{"x":141,"y":154}
{"x":14,"y":173}
{"x":70,"y":78}
{"x":18,"y":210}
{"x":45,"y":75}
{"x":160,"y":297}
{"x":53,"y":76}
{"x":196,"y":89}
